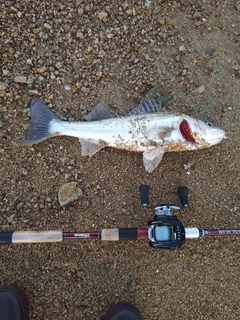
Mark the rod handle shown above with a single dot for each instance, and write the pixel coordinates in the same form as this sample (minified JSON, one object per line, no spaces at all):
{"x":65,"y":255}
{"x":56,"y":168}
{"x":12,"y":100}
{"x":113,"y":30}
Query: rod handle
{"x":144,"y":192}
{"x":30,"y":237}
{"x":183,"y":194}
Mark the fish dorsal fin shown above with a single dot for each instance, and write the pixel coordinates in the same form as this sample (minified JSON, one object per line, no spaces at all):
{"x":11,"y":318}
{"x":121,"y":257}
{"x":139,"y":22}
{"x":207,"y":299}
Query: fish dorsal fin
{"x":152,"y":158}
{"x":100,"y":112}
{"x":90,"y":147}
{"x":146,"y":106}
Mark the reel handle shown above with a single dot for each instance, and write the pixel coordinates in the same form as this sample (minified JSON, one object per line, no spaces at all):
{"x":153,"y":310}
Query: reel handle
{"x":144,"y":192}
{"x":183,"y":194}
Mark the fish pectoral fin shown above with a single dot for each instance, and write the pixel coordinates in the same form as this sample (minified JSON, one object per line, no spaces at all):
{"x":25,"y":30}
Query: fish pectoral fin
{"x":90,"y":147}
{"x":152,"y":158}
{"x":100,"y":112}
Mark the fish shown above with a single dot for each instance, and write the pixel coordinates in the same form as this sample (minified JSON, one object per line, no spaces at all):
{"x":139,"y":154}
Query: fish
{"x":145,"y":129}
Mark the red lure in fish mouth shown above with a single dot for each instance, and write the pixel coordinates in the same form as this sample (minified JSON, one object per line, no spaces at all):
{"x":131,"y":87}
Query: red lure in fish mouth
{"x":186,"y":131}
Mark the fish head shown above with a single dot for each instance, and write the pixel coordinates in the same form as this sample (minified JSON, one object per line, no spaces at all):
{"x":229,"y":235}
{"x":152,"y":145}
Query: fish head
{"x":199,"y":133}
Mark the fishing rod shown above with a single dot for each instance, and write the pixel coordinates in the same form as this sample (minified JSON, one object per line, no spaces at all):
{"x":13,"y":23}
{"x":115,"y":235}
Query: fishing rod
{"x":165,"y":231}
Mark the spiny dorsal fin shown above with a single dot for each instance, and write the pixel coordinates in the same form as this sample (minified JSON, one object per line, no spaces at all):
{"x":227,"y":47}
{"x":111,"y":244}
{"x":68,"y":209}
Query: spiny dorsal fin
{"x":146,"y":106}
{"x":100,"y":112}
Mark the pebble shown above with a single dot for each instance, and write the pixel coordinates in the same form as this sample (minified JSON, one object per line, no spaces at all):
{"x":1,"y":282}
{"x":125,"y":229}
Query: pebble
{"x":79,"y":34}
{"x":34,"y":92}
{"x":59,"y":65}
{"x":188,"y":165}
{"x":197,"y":15}
{"x":6,"y":72}
{"x":47,"y":26}
{"x":68,"y":193}
{"x":2,"y":86}
{"x":103,"y":16}
{"x":182,"y":49}
{"x":21,"y":79}
{"x":10,"y":219}
{"x":20,"y":205}
{"x":200,"y":89}
{"x":44,"y":35}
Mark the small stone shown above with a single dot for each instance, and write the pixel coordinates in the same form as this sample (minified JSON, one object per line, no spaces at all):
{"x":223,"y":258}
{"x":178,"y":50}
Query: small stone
{"x":200,"y":89}
{"x":99,"y":74}
{"x":238,"y":6}
{"x":182,"y":49}
{"x":110,"y":35}
{"x":84,"y":89}
{"x":20,"y":205}
{"x":10,"y":219}
{"x":103,"y":16}
{"x":197,"y":15}
{"x":80,"y":11}
{"x":2,"y":86}
{"x":82,"y":107}
{"x":172,"y":23}
{"x":21,"y":79}
{"x":6,"y":72}
{"x":24,"y":172}
{"x":59,"y":65}
{"x":67,"y":88}
{"x":44,"y":35}
{"x":161,"y":21}
{"x":30,"y":79}
{"x":210,"y":50}
{"x":188,"y":165}
{"x":47,"y":26}
{"x":34,"y":92}
{"x":80,"y":34}
{"x":19,"y":14}
{"x":1,"y":124}
{"x":129,"y":12}
{"x":68,"y":193}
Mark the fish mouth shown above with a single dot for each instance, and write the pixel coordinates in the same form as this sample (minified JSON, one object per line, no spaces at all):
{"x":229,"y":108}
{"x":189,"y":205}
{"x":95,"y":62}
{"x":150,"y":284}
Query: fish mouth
{"x":218,"y":139}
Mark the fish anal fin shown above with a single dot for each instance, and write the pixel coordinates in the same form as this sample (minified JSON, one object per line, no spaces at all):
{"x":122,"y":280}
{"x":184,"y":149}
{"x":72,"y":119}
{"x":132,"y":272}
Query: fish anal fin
{"x":100,"y":112}
{"x":90,"y":147}
{"x":152,"y":158}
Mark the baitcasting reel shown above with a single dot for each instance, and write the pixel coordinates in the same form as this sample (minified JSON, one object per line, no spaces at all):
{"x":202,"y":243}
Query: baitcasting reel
{"x":165,"y":230}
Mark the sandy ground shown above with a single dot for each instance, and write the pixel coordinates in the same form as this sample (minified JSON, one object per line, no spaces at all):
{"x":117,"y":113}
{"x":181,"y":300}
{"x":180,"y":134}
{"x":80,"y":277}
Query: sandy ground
{"x":74,"y":54}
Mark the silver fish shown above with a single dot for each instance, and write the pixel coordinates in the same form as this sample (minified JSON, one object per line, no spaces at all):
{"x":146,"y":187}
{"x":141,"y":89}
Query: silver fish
{"x":145,"y":129}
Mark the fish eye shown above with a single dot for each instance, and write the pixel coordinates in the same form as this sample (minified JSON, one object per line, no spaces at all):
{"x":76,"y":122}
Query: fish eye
{"x":209,"y":124}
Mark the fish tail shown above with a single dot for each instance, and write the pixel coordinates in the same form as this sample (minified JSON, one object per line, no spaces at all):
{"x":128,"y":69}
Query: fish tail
{"x":38,"y":130}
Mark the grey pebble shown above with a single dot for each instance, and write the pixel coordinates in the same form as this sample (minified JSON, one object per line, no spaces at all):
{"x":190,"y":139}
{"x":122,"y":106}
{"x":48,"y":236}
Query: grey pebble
{"x":10,"y":219}
{"x":21,"y":79}
{"x":68,"y":193}
{"x":2,"y":86}
{"x":200,"y":89}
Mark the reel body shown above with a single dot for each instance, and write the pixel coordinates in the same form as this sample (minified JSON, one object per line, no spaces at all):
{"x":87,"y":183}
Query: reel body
{"x":165,"y":230}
